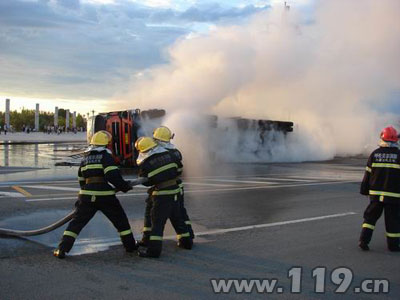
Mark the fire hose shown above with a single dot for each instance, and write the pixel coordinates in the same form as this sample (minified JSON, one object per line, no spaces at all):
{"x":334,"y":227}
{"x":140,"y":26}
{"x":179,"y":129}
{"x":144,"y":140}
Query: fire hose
{"x":59,"y":223}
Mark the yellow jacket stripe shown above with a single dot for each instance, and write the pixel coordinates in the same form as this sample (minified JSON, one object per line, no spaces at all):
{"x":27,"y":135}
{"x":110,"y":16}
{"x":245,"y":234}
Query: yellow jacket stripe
{"x":81,"y":178}
{"x":366,"y":225}
{"x":90,"y":167}
{"x":97,"y":193}
{"x":71,"y":234}
{"x":380,"y":193}
{"x":179,"y":236}
{"x":156,"y":238}
{"x":166,"y":192}
{"x":381,"y":165}
{"x":110,"y":168}
{"x":163,"y":168}
{"x":146,"y":229}
{"x":393,"y":235}
{"x":125,"y":232}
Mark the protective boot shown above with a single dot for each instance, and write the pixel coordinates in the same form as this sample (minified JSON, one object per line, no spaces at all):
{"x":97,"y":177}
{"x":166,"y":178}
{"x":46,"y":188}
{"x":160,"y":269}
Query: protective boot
{"x":144,"y":242}
{"x":363,"y":246}
{"x":393,"y":244}
{"x":185,"y":243}
{"x":147,"y":254}
{"x":365,"y":238}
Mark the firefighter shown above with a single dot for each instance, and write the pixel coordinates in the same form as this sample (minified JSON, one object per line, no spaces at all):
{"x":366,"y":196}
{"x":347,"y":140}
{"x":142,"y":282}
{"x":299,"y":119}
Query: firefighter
{"x":163,"y":136}
{"x":381,"y":183}
{"x":98,"y":175}
{"x":159,"y":166}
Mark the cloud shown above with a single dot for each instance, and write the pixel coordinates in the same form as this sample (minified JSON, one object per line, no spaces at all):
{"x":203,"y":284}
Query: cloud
{"x":71,"y":4}
{"x":53,"y":46}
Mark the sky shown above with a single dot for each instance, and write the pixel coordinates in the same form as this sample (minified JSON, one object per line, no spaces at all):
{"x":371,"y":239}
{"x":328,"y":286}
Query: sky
{"x":79,"y":54}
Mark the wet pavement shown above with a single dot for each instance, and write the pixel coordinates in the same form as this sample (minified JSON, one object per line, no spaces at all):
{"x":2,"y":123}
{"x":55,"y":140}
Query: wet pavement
{"x":252,"y":221}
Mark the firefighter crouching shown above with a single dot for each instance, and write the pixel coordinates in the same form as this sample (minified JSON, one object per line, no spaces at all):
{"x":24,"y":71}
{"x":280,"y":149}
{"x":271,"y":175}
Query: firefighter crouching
{"x":160,"y":168}
{"x":163,"y":136}
{"x":96,"y":172}
{"x":382,"y":183}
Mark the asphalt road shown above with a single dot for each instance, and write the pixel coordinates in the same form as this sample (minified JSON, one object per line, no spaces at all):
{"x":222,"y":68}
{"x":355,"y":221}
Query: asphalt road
{"x":254,"y":221}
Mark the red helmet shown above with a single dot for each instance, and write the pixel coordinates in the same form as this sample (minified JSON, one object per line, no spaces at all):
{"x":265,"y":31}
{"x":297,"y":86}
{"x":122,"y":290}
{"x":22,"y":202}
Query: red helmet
{"x":389,"y":134}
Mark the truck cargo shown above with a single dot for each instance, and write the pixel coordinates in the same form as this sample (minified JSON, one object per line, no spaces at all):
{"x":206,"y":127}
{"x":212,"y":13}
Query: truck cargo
{"x":127,"y":126}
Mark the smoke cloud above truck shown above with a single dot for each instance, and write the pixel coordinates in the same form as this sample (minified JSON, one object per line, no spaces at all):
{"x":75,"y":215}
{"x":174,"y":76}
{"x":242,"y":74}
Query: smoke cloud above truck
{"x":331,"y":69}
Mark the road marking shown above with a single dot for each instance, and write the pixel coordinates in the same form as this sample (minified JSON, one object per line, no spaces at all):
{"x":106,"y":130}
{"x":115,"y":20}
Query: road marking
{"x":11,"y":195}
{"x":208,"y":190}
{"x":241,"y":181}
{"x":207,"y":184}
{"x":52,"y":188}
{"x":102,"y":244}
{"x":220,"y":231}
{"x":268,"y":187}
{"x":21,"y":190}
{"x":282,"y":179}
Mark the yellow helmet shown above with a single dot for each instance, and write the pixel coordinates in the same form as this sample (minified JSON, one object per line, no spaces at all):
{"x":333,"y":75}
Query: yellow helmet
{"x":163,"y":133}
{"x":101,"y":138}
{"x":145,"y":143}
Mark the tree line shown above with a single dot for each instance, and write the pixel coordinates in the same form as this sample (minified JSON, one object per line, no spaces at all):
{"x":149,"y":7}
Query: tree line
{"x":27,"y":117}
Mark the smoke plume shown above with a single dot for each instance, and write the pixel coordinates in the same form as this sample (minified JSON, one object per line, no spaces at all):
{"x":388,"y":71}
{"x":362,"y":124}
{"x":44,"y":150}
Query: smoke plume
{"x":330,"y":71}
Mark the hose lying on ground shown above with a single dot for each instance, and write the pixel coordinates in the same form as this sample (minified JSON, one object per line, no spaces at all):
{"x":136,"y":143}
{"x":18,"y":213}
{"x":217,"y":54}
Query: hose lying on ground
{"x":59,"y":223}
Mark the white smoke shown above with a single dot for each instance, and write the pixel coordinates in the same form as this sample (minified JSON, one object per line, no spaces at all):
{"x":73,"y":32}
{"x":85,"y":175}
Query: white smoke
{"x":321,"y":72}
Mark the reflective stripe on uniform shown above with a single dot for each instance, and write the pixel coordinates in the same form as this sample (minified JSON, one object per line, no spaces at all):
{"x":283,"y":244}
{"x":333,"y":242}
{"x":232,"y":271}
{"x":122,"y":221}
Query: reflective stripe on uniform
{"x":368,"y":169}
{"x":393,"y":235}
{"x":146,"y":229}
{"x":188,"y":223}
{"x":166,"y":192}
{"x":71,"y":234}
{"x":90,"y":167}
{"x":163,"y":168}
{"x":110,"y":168}
{"x":183,"y":235}
{"x":366,"y":225}
{"x":81,"y":178}
{"x":125,"y":232}
{"x":156,"y":238}
{"x":180,"y":169}
{"x":381,"y":165}
{"x":97,"y":193}
{"x":380,"y":193}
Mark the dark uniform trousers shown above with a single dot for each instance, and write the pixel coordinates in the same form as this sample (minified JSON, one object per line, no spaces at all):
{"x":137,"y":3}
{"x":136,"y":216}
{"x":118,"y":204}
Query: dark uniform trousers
{"x":181,"y":201}
{"x":164,"y":207}
{"x":86,"y":208}
{"x":392,"y":221}
{"x":183,"y":214}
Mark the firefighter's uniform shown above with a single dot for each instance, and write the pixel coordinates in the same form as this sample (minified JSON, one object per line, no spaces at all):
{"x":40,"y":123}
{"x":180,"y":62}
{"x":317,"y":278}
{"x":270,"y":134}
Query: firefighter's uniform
{"x":382,"y":183}
{"x":161,"y":169}
{"x":147,"y":217}
{"x":96,"y":173}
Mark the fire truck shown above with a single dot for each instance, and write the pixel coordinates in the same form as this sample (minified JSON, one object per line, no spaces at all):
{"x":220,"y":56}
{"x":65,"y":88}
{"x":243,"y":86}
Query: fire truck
{"x":126,"y":126}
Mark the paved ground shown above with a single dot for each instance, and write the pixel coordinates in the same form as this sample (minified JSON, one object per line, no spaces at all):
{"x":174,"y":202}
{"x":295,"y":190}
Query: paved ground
{"x":253,"y":222}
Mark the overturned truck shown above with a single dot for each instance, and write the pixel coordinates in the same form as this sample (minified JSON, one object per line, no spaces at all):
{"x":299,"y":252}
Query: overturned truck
{"x":127,"y":126}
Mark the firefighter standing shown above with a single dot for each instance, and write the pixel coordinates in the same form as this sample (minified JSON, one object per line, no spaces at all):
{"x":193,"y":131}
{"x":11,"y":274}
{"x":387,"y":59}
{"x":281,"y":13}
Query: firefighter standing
{"x":163,"y":137}
{"x":96,"y":172}
{"x":382,"y":183}
{"x":160,"y":168}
